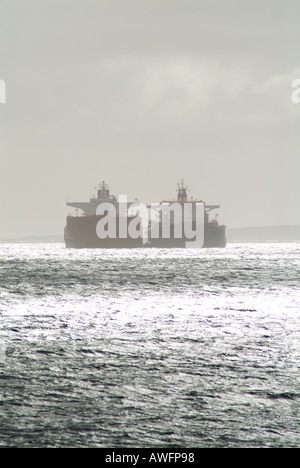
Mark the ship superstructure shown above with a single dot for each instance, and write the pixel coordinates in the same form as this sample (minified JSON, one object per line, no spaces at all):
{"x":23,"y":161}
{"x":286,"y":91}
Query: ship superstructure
{"x":90,"y":208}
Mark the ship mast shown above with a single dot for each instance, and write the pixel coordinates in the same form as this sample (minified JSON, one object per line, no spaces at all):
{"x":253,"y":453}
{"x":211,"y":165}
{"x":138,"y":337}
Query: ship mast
{"x":182,"y":192}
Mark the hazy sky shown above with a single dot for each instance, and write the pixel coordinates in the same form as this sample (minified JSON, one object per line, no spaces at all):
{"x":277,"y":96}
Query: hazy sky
{"x":142,"y":93}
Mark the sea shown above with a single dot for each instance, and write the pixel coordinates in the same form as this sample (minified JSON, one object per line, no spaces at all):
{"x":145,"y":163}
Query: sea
{"x":150,"y":347}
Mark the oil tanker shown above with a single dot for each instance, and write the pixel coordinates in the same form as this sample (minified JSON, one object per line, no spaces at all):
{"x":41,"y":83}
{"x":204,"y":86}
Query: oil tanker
{"x":108,"y":222}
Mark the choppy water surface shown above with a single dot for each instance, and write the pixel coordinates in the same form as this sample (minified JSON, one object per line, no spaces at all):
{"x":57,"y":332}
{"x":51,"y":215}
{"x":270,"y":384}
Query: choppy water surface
{"x":150,"y":348}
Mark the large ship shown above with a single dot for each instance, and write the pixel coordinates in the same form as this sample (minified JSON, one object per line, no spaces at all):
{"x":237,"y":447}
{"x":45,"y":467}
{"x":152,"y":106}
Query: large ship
{"x":108,"y":222}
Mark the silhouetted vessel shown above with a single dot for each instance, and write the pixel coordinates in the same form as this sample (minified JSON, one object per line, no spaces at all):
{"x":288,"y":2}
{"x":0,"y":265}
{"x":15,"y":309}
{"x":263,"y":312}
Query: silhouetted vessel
{"x":81,"y":231}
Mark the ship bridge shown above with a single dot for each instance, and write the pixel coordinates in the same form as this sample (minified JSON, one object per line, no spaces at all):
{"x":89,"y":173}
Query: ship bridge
{"x":183,"y":198}
{"x":90,"y":208}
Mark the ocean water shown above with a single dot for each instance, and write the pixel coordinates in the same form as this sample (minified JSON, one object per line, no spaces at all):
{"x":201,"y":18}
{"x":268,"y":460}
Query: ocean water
{"x":150,"y":348}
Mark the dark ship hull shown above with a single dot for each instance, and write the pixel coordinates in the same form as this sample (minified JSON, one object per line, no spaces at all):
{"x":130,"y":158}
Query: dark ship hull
{"x":81,"y":231}
{"x":214,"y":237}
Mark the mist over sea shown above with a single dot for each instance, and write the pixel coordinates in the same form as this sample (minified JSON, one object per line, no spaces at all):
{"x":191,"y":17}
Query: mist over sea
{"x":150,"y":348}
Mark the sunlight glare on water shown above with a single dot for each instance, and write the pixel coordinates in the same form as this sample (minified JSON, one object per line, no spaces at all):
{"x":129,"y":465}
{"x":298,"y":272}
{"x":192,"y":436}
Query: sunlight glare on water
{"x":145,"y":348}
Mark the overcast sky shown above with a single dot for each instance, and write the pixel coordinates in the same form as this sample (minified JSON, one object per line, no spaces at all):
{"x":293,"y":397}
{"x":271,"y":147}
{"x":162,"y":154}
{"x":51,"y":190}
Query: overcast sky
{"x":143,"y":93}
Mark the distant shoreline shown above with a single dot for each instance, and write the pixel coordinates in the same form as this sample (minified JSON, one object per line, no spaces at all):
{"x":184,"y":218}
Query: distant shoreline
{"x":285,"y":234}
{"x":264,"y":234}
{"x":33,"y":240}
